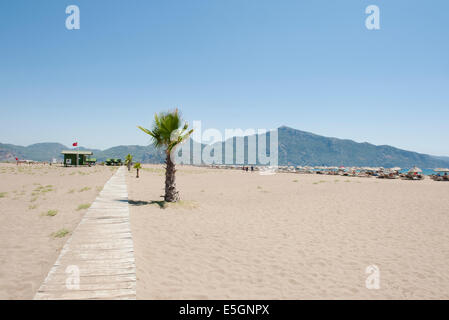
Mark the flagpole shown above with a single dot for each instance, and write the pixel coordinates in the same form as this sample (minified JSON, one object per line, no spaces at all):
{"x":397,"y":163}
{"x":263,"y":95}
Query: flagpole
{"x":77,"y":155}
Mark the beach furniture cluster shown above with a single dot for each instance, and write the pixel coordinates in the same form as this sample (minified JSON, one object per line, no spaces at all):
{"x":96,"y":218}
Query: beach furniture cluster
{"x":113,"y":162}
{"x":414,"y":173}
{"x":442,"y":174}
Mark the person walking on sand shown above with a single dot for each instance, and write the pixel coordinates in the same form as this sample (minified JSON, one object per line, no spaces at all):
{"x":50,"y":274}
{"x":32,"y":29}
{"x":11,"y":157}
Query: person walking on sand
{"x":252,"y":168}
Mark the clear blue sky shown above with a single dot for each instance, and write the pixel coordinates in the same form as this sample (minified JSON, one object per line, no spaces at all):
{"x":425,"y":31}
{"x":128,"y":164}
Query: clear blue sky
{"x":310,"y":65}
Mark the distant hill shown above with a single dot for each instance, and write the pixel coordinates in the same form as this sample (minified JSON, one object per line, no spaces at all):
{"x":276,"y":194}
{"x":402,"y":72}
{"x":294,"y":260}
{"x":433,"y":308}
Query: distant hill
{"x":295,"y":148}
{"x":304,"y":148}
{"x":48,"y":151}
{"x":38,"y":152}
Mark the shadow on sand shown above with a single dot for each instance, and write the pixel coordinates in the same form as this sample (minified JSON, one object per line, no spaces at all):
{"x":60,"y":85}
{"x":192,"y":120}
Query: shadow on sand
{"x":161,"y":203}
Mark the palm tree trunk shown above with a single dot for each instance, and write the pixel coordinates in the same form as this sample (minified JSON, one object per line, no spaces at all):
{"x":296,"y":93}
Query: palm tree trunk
{"x":137,"y":173}
{"x":129,"y":166}
{"x":171,"y":195}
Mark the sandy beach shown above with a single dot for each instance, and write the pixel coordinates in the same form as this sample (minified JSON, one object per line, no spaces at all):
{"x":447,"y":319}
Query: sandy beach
{"x":239,"y":235}
{"x":37,"y":202}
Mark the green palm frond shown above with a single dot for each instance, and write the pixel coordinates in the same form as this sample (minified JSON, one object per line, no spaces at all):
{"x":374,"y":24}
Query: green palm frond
{"x":137,"y":165}
{"x":128,"y":159}
{"x":168,"y":130}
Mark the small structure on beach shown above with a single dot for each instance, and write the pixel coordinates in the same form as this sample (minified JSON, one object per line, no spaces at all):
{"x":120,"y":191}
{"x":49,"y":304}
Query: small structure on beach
{"x":414,"y":173}
{"x":415,"y":170}
{"x":91,"y":161}
{"x":76,"y":157}
{"x":113,"y":162}
{"x":442,"y":174}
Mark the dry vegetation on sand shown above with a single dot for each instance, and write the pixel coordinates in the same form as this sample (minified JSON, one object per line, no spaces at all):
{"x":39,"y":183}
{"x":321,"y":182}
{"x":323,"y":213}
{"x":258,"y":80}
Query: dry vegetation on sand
{"x":39,"y":206}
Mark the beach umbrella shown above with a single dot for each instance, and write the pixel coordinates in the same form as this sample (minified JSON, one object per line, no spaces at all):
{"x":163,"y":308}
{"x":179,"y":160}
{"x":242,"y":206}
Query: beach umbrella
{"x":395,"y":169}
{"x":415,"y":170}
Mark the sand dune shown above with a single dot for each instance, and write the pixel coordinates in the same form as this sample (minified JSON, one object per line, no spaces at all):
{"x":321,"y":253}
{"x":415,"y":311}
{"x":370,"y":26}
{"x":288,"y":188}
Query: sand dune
{"x":241,"y":235}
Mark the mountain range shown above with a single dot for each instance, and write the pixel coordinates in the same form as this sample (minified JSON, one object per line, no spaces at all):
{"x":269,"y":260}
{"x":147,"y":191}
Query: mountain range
{"x":295,"y":147}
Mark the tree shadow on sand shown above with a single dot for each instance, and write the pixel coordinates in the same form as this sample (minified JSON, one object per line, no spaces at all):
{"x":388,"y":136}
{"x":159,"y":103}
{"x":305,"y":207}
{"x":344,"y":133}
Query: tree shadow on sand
{"x":161,"y":203}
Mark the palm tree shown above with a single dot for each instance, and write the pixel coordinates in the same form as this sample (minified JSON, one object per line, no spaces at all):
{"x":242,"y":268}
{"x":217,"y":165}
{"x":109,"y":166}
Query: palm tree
{"x":137,"y":166}
{"x":129,"y":161}
{"x":168,"y":132}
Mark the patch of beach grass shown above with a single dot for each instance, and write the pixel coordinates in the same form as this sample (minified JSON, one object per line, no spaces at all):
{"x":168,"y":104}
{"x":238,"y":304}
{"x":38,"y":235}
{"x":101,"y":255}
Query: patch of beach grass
{"x":71,"y":191}
{"x":83,"y":206}
{"x":51,"y":213}
{"x":32,"y":206}
{"x":42,"y":189}
{"x":3,"y":194}
{"x":47,"y":190}
{"x":84,"y":189}
{"x":296,"y":180}
{"x":61,"y":233}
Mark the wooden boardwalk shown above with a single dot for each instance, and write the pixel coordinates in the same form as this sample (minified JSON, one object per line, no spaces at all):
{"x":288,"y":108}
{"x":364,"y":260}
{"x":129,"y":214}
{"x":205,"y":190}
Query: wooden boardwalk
{"x":97,"y":262}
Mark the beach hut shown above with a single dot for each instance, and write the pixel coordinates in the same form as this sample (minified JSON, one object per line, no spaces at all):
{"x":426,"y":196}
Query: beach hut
{"x":75,"y":157}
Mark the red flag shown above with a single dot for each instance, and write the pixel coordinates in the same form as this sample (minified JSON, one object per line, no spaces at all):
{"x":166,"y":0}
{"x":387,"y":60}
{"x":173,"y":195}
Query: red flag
{"x":75,"y":144}
{"x":17,"y":159}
